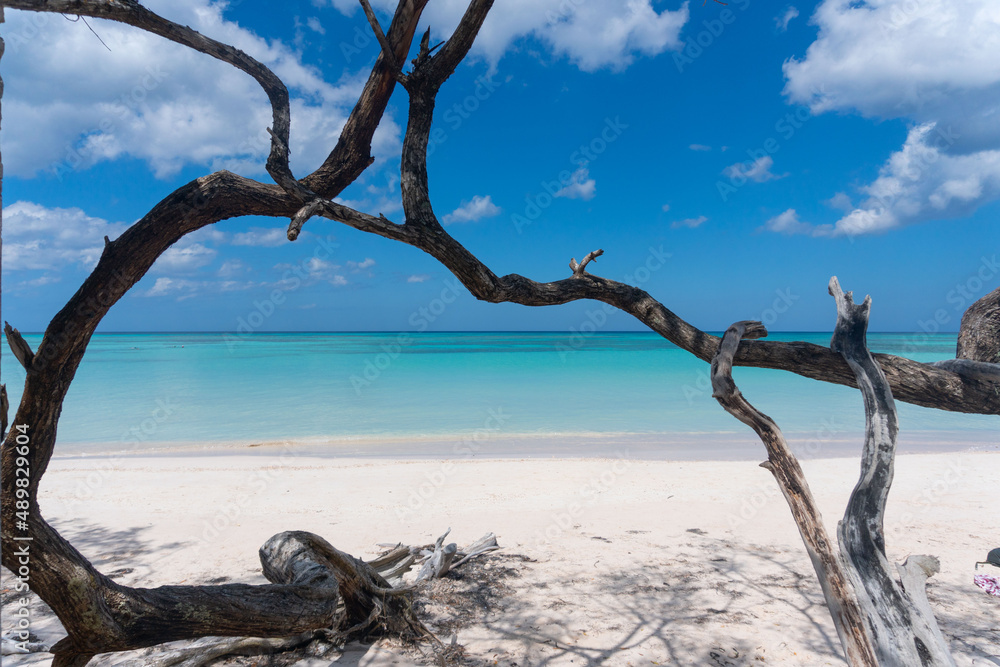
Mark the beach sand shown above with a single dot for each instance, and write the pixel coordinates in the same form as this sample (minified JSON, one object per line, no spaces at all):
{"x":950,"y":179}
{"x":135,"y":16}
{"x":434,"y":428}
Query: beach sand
{"x":605,"y":561}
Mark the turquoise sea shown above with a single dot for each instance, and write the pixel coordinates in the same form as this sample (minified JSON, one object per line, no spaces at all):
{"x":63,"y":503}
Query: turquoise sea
{"x":139,"y":392}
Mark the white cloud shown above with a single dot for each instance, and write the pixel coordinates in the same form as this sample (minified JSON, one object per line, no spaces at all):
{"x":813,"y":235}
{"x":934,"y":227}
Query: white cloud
{"x":665,"y":208}
{"x":418,"y":278}
{"x":184,"y":258}
{"x":840,"y":201}
{"x":922,"y":182}
{"x":262,"y":237}
{"x":691,"y":223}
{"x":313,"y":24}
{"x":934,"y":63}
{"x":580,"y":186}
{"x":232,"y":268}
{"x":41,"y":238}
{"x":363,"y":265}
{"x":592,"y":35}
{"x":472,"y":211}
{"x":700,"y":147}
{"x":758,"y":171}
{"x":789,"y":223}
{"x":71,"y":103}
{"x":782,"y":21}
{"x":174,"y":286}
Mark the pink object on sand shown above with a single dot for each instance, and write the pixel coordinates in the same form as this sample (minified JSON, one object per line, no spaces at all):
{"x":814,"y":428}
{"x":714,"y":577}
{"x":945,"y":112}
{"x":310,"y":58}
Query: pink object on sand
{"x":989,"y":584}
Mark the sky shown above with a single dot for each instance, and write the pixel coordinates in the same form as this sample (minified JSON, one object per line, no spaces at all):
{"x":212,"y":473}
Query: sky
{"x":729,"y":159}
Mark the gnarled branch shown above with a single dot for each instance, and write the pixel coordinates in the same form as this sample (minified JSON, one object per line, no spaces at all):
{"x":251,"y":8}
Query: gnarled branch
{"x":579,"y":269}
{"x":901,"y":624}
{"x":782,"y":463}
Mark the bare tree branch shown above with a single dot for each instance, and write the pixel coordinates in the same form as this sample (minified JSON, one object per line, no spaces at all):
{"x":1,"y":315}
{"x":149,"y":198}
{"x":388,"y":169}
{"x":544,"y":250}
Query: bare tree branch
{"x":782,"y":463}
{"x":19,"y":346}
{"x":390,"y":57}
{"x":578,"y":269}
{"x":901,"y":625}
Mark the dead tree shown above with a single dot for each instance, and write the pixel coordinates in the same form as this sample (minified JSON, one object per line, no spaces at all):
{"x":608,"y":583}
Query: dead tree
{"x":881,"y":620}
{"x":100,"y":615}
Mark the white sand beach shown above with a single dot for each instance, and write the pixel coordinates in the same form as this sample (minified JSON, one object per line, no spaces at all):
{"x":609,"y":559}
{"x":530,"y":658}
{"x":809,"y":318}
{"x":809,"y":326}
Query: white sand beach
{"x":607,"y":561}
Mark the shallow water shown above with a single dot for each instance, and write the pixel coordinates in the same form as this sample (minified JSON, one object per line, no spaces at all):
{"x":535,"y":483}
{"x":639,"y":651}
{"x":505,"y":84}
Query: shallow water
{"x":140,"y":391}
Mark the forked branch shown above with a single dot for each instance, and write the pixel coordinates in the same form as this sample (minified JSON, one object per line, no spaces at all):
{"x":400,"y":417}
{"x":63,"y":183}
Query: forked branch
{"x":900,"y":621}
{"x":782,"y":463}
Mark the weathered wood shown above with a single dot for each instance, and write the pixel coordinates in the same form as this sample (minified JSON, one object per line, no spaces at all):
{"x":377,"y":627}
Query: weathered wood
{"x":209,"y":649}
{"x":483,"y":545}
{"x":439,"y":560}
{"x":19,"y":346}
{"x":4,"y":409}
{"x":580,"y":269}
{"x":371,"y":606}
{"x":979,"y":333}
{"x":900,"y":623}
{"x":782,"y":463}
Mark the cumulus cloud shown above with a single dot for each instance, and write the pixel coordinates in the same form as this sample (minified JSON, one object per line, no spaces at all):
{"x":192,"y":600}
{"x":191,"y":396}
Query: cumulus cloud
{"x":758,"y":171}
{"x":363,"y":265}
{"x":700,"y":147}
{"x":418,"y":278}
{"x":41,"y":238}
{"x":935,"y":64}
{"x":70,"y":103}
{"x":580,"y":186}
{"x":471,"y":211}
{"x":691,"y":223}
{"x":262,"y":237}
{"x":782,"y":20}
{"x":592,"y":35}
{"x":184,"y":258}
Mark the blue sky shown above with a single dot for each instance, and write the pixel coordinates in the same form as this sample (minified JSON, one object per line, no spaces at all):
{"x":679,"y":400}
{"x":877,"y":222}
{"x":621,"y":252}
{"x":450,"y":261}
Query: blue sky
{"x":729,"y":159}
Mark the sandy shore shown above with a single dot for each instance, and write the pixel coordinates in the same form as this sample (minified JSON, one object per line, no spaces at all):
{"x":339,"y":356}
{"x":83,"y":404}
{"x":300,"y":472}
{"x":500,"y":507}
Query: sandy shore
{"x":612,"y":561}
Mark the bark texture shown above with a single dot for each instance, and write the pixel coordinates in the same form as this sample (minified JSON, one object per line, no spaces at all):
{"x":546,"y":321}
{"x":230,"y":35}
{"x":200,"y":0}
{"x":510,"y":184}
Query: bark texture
{"x":979,"y":334}
{"x":781,"y":462}
{"x":900,"y":621}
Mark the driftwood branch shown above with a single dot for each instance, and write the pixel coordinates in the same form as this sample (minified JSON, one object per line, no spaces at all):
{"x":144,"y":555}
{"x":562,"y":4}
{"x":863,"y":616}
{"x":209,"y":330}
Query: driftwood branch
{"x":19,"y":346}
{"x":782,"y":463}
{"x":578,"y":269}
{"x":899,"y":619}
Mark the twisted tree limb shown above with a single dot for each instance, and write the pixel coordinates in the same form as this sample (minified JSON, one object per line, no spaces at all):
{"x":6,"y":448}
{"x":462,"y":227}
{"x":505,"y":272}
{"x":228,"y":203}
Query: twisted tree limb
{"x":900,"y":621}
{"x":782,"y":463}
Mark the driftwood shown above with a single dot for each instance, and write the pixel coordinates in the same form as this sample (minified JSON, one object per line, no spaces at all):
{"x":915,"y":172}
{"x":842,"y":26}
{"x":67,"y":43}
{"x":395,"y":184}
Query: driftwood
{"x":374,"y":601}
{"x":439,"y":559}
{"x":880,"y":620}
{"x":100,"y":615}
{"x":902,"y":626}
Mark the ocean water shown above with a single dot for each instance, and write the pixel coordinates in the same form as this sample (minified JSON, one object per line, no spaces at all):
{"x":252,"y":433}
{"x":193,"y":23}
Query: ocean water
{"x":149,"y":391}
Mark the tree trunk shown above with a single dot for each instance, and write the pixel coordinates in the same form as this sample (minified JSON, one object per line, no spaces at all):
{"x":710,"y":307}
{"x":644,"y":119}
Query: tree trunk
{"x":837,"y":589}
{"x":979,"y":334}
{"x":900,"y":621}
